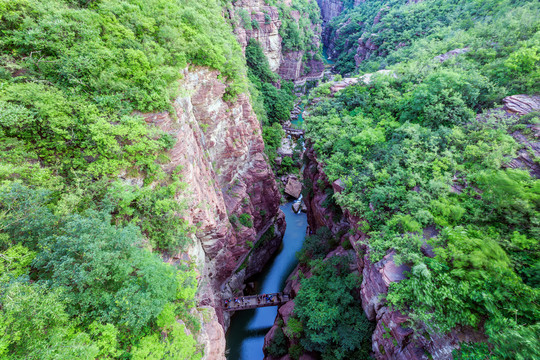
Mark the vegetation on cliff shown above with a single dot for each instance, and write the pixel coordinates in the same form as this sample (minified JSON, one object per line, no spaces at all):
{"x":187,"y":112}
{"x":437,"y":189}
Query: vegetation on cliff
{"x":417,"y":162}
{"x":272,"y":105}
{"x":398,"y":30}
{"x":297,"y":20}
{"x":83,"y":197}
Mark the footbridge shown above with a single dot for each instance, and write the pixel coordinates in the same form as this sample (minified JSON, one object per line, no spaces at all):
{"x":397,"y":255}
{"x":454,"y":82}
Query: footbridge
{"x":254,"y":301}
{"x":293,"y":131}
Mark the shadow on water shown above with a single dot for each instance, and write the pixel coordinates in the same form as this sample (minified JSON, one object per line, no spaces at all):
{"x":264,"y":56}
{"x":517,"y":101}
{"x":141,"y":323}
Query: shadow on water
{"x":245,"y":337}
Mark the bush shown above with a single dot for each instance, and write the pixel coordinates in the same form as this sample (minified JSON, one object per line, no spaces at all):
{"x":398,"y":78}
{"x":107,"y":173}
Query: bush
{"x":278,"y":345}
{"x":333,"y":321}
{"x":246,"y":220}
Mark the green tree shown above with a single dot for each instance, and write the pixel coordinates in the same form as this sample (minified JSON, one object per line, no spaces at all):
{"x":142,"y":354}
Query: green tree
{"x":333,"y":321}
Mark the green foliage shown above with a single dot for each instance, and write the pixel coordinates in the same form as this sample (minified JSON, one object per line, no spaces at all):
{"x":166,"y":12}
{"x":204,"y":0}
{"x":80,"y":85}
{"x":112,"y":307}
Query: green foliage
{"x":271,"y":105}
{"x":35,"y":325}
{"x":278,"y":345}
{"x":278,"y":103}
{"x":112,"y":281}
{"x":421,"y":156}
{"x":286,"y":166}
{"x":246,"y":220}
{"x":15,"y":262}
{"x":295,"y":351}
{"x":294,"y":328}
{"x":86,"y":287}
{"x":297,"y":35}
{"x":407,"y":31}
{"x":316,"y":246}
{"x":332,"y":319}
{"x":472,"y":351}
{"x":155,"y":210}
{"x":124,"y":54}
{"x":245,"y":19}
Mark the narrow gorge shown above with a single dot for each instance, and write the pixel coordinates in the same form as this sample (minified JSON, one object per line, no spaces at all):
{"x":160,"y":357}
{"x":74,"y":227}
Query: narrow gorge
{"x":375,"y":162}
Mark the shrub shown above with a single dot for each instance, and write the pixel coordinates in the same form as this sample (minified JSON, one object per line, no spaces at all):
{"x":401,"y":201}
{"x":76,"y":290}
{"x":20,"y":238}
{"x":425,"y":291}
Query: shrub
{"x":246,"y":220}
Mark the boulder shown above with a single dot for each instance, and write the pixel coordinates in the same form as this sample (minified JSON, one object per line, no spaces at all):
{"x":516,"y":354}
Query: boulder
{"x":286,"y":148}
{"x":452,"y":53}
{"x":521,"y":104}
{"x":285,"y":311}
{"x":293,"y":187}
{"x":296,"y":207}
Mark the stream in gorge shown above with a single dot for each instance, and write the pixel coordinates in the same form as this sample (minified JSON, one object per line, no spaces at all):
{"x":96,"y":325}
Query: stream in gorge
{"x":245,"y":337}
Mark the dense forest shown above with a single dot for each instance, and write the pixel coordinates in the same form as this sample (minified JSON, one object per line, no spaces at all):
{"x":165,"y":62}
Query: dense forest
{"x":423,"y":149}
{"x":79,"y":278}
{"x":89,"y":215}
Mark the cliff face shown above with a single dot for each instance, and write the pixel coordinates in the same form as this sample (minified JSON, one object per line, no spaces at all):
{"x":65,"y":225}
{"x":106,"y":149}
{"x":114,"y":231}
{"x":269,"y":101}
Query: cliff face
{"x":264,"y":27}
{"x":267,"y":32}
{"x":293,"y":66}
{"x":219,"y":152}
{"x":330,"y":9}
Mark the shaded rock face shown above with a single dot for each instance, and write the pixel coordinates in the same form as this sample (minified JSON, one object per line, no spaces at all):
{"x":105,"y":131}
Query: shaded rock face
{"x":288,"y":64}
{"x":330,"y":9}
{"x":219,"y":153}
{"x":267,"y":33}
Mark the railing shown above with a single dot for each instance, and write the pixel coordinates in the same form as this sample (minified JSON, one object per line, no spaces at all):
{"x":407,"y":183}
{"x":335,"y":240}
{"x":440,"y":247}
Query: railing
{"x":254,"y":301}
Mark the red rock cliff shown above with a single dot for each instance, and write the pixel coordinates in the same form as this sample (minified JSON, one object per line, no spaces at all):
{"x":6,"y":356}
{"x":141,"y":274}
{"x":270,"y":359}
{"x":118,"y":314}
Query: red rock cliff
{"x":219,"y":149}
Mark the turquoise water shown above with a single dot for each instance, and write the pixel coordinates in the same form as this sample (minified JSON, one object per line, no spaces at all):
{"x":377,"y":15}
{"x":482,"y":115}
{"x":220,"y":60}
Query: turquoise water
{"x":299,"y":120}
{"x":245,"y":337}
{"x":325,"y":57}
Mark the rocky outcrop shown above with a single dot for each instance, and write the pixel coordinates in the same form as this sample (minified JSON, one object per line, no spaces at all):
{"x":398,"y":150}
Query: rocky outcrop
{"x":219,"y":154}
{"x":366,"y":79}
{"x":266,"y":32}
{"x":529,"y":137}
{"x":364,"y":50}
{"x":330,"y":9}
{"x":264,"y":27}
{"x":521,"y":104}
{"x":451,"y":54}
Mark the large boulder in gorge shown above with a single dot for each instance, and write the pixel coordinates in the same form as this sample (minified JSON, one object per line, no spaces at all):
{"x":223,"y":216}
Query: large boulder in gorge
{"x":293,"y":187}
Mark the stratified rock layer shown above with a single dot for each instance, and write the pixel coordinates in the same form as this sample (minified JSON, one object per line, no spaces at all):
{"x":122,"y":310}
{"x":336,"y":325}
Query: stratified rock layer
{"x":264,"y":27}
{"x":219,"y":154}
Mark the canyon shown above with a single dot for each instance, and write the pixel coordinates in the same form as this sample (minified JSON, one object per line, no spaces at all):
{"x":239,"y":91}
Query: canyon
{"x":220,"y":151}
{"x":377,"y":162}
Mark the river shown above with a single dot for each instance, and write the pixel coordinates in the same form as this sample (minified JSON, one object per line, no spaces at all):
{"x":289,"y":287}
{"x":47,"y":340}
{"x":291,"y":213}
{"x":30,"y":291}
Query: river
{"x":245,"y":337}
